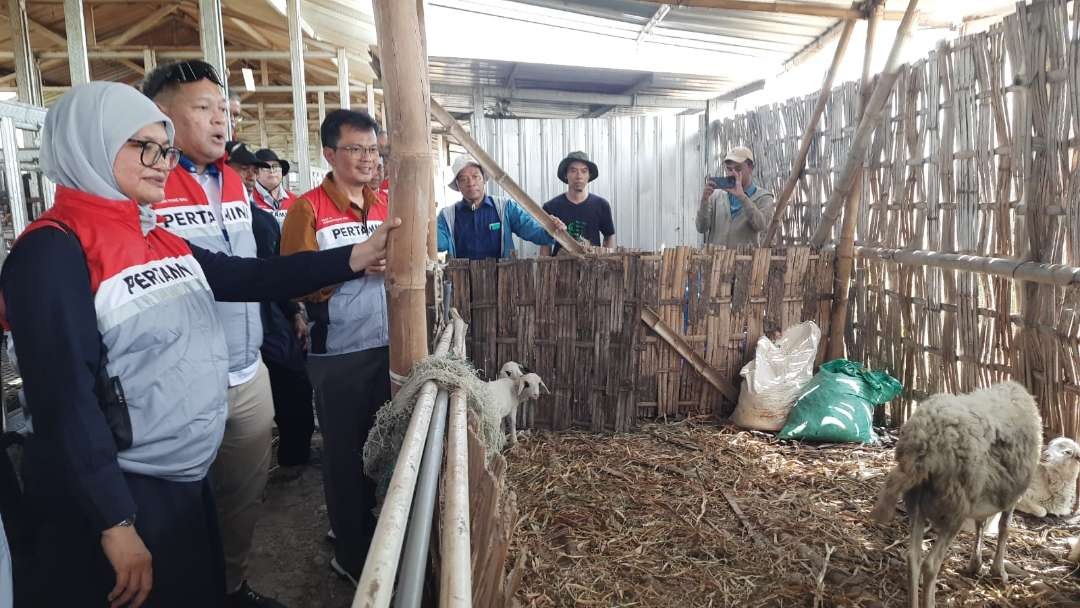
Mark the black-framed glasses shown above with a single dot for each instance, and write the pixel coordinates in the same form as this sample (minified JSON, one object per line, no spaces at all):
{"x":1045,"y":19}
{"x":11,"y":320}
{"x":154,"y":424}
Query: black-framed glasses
{"x":359,"y":151}
{"x":182,"y":71}
{"x":152,"y":152}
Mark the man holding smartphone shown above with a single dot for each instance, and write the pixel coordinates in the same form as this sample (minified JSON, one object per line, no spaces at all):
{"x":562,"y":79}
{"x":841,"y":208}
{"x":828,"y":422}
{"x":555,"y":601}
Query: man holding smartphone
{"x":734,"y":211}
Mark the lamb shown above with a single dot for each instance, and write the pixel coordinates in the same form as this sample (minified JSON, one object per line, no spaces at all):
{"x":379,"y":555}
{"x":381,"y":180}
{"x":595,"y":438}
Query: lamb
{"x":513,"y":369}
{"x":1053,"y":488}
{"x":507,"y":393}
{"x":962,"y":456}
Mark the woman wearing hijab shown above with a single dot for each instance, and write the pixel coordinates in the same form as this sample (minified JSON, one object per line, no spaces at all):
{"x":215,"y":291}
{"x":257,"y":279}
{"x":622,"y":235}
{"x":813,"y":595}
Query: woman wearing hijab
{"x":94,"y":290}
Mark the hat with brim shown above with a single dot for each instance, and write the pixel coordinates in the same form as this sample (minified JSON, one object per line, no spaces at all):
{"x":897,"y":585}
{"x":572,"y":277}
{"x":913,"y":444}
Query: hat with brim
{"x":739,"y":155}
{"x":240,"y":155}
{"x":580,"y":157}
{"x":459,"y":165}
{"x":269,"y":156}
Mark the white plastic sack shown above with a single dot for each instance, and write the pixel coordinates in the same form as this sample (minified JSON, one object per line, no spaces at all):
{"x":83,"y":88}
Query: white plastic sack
{"x":773,"y":380}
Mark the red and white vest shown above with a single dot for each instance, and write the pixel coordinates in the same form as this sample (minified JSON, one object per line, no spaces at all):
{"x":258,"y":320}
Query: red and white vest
{"x":280,"y":211}
{"x":158,"y":320}
{"x":187,"y":213}
{"x":354,"y":318}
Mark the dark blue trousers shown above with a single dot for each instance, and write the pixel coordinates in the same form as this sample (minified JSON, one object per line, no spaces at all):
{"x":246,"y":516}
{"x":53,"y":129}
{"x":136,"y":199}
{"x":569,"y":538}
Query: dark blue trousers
{"x":176,"y":520}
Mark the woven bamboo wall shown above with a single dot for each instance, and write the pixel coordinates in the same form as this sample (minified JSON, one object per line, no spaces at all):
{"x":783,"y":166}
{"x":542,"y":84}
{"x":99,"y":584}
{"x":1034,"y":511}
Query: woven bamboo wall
{"x":978,"y":153}
{"x":577,"y":323}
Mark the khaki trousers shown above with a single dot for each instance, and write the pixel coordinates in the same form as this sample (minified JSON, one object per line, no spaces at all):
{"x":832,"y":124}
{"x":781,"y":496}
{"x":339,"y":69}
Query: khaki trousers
{"x":240,"y":471}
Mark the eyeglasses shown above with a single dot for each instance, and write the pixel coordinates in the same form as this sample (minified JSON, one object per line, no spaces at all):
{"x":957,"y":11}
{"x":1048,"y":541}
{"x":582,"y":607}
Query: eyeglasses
{"x":152,"y":152}
{"x":272,"y":170}
{"x":360,"y":151}
{"x":183,"y":71}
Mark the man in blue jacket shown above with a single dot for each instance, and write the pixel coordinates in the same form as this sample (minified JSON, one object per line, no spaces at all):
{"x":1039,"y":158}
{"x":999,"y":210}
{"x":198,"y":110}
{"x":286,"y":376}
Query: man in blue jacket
{"x":481,"y":226}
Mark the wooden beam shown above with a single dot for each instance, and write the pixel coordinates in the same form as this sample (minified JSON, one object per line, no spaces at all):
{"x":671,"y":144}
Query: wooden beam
{"x":411,"y":171}
{"x":131,"y":65}
{"x":143,"y":26}
{"x":253,"y":33}
{"x":675,"y":341}
{"x":808,"y":135}
{"x":861,"y":139}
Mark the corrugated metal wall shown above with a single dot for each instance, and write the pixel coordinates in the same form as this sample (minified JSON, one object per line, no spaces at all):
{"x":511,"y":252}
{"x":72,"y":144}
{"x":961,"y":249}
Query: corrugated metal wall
{"x":651,"y":170}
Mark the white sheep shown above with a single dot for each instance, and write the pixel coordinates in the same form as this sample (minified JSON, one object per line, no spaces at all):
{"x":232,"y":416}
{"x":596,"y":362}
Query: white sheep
{"x":1053,"y":488}
{"x":962,"y":456}
{"x":512,"y":369}
{"x":507,"y":393}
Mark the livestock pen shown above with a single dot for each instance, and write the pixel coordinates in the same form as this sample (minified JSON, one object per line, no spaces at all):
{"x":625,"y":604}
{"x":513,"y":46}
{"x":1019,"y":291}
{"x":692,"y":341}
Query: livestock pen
{"x":961,"y":246}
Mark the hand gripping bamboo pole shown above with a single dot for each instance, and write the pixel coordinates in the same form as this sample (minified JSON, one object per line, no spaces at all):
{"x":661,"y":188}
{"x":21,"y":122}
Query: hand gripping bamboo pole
{"x":808,"y":136}
{"x":861,"y":140}
{"x":412,"y":165}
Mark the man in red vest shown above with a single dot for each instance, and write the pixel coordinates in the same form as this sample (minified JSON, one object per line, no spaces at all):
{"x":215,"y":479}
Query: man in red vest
{"x":206,"y":204}
{"x":270,"y":194}
{"x":349,"y":357}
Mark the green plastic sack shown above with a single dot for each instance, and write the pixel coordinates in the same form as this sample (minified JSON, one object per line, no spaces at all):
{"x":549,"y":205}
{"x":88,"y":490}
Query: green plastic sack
{"x":838,"y":404}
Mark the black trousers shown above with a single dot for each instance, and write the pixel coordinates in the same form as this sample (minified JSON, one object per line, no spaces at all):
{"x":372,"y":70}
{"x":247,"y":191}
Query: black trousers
{"x":349,"y":390}
{"x":293,"y":412}
{"x":176,"y":521}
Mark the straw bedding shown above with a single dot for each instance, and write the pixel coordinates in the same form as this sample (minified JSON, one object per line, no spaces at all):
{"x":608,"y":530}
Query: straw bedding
{"x":698,"y":515}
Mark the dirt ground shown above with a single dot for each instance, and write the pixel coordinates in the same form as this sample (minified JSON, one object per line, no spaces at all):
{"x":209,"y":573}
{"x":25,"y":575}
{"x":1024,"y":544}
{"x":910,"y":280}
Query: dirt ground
{"x":291,"y":556}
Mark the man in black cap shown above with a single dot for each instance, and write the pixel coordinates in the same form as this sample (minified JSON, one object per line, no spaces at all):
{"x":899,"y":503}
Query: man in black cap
{"x":245,"y":163}
{"x":586,"y":215}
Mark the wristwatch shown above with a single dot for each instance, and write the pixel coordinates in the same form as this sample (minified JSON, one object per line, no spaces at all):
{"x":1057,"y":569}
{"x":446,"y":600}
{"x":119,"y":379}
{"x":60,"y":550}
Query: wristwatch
{"x":127,"y":523}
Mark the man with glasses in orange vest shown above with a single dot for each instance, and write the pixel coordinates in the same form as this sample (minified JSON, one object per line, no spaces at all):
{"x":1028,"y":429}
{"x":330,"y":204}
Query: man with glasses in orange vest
{"x":349,"y":356}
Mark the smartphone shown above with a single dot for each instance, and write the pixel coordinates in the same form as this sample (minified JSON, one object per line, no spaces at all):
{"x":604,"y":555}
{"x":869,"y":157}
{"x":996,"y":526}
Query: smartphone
{"x":723,"y":183}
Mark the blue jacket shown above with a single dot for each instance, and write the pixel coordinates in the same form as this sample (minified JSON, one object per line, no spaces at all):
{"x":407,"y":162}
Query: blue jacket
{"x":511,"y":215}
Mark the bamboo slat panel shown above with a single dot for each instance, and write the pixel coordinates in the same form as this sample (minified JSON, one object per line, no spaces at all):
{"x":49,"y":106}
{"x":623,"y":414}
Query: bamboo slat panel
{"x":577,"y":323}
{"x":977,"y":152}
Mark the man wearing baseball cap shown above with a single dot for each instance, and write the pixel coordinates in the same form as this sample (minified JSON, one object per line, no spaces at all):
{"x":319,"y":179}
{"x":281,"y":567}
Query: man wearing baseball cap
{"x":480,"y":226}
{"x":586,"y":215}
{"x":735,"y":216}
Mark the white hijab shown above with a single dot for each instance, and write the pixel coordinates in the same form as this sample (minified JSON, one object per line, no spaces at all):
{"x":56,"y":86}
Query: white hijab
{"x":85,"y":130}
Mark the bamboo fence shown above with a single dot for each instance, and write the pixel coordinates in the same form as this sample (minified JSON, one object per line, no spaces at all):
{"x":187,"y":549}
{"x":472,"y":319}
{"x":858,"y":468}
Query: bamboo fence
{"x":577,"y":323}
{"x":977,"y":153}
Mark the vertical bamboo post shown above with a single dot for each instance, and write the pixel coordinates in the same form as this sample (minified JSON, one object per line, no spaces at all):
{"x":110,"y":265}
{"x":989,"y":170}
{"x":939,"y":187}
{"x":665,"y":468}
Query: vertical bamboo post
{"x":845,"y":249}
{"x":432,"y":239}
{"x":808,"y":136}
{"x":406,"y":95}
{"x":861,"y":139}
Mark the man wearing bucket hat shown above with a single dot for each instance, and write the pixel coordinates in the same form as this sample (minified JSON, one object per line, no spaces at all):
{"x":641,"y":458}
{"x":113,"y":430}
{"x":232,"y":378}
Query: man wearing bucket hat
{"x":735,"y":216}
{"x":480,"y":226}
{"x":270,"y":194}
{"x":587,"y":216}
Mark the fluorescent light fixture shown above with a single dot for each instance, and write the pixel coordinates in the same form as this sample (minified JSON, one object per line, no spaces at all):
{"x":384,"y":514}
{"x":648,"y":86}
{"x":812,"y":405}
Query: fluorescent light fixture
{"x":249,"y":79}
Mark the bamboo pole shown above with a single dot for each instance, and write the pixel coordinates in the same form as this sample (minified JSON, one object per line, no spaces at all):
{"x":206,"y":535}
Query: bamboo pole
{"x":455,"y":588}
{"x":376,"y":585}
{"x":808,"y":136}
{"x":495,"y":173}
{"x":861,"y":140}
{"x":1019,"y":270}
{"x":684,"y":350}
{"x":845,"y":248}
{"x":404,"y":77}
